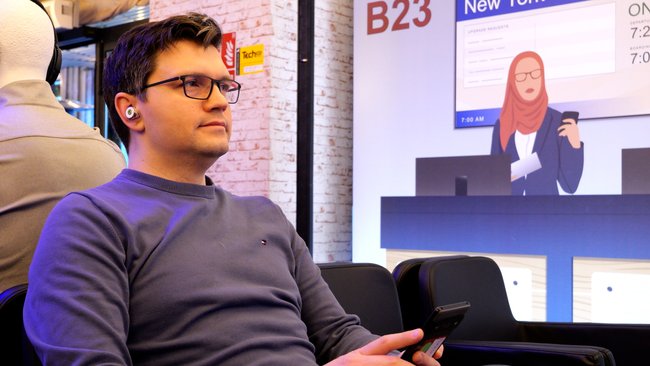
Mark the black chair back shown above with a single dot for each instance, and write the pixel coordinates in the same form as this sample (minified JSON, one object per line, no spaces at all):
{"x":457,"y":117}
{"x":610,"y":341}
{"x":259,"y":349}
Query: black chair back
{"x":15,"y":347}
{"x":478,"y":280}
{"x":368,"y":291}
{"x":406,"y":275}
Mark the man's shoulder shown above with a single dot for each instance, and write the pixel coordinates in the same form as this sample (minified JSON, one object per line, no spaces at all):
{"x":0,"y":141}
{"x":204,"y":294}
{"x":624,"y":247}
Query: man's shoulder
{"x":255,"y":204}
{"x":113,"y":191}
{"x":252,"y":200}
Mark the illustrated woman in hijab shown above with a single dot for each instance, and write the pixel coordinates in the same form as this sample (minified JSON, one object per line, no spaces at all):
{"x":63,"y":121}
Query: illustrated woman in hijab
{"x":528,"y":127}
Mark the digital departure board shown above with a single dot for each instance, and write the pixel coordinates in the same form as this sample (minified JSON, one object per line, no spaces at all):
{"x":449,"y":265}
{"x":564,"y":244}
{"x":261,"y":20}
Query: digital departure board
{"x":596,"y":55}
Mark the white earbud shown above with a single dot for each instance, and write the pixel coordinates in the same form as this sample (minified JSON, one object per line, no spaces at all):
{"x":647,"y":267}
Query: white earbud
{"x":130,"y":112}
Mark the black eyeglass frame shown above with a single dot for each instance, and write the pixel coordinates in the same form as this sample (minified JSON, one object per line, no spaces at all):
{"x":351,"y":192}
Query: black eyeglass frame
{"x":527,"y":74}
{"x":182,"y":79}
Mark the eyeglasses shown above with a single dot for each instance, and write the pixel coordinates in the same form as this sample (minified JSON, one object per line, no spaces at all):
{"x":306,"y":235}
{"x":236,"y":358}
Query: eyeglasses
{"x":535,"y":74}
{"x":200,"y":87}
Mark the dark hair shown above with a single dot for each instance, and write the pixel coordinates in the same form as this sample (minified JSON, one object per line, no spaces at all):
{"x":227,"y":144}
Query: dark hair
{"x":132,"y":61}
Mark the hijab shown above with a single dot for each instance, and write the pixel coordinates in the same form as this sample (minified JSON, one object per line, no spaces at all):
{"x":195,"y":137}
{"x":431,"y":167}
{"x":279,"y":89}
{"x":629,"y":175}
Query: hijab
{"x":518,"y":114}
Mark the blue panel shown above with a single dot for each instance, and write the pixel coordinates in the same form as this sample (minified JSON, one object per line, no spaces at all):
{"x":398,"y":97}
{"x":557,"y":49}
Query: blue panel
{"x":558,"y":227}
{"x":477,"y":117}
{"x":474,"y":9}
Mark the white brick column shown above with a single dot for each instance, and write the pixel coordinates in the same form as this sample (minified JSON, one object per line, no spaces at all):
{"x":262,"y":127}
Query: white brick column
{"x":333,"y":131}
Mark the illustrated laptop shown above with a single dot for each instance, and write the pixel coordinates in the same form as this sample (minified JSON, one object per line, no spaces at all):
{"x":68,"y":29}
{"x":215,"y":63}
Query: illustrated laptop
{"x":635,"y":169}
{"x":473,"y":175}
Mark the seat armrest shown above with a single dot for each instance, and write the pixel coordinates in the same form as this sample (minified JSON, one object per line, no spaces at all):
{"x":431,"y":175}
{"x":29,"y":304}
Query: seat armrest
{"x":479,"y":353}
{"x":628,"y":342}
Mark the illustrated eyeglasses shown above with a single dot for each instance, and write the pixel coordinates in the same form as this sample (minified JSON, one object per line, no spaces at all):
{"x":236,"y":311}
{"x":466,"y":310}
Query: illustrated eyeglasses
{"x":200,"y":87}
{"x":535,"y":74}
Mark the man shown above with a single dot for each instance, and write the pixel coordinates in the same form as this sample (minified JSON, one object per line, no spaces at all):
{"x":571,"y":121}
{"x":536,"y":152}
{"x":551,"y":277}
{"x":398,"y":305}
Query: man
{"x":44,"y":152}
{"x":160,"y":266}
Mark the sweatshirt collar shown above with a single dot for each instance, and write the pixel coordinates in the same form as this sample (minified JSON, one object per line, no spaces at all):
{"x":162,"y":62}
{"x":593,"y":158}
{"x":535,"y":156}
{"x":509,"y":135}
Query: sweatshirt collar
{"x":207,"y":191}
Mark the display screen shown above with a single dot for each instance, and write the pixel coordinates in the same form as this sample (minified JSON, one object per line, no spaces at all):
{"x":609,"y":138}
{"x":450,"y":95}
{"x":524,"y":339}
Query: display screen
{"x":596,"y":55}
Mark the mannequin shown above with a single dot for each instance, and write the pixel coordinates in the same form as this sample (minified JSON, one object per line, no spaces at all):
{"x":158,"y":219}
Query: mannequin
{"x":44,"y":152}
{"x":26,"y":42}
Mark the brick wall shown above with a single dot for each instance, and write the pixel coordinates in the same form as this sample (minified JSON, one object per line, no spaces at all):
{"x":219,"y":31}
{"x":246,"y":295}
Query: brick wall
{"x":245,"y":169}
{"x":262,"y":158}
{"x":333,"y":131}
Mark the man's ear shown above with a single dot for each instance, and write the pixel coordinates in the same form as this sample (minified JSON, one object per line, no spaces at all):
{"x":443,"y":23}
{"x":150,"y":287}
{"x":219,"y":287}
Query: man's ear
{"x":127,"y":107}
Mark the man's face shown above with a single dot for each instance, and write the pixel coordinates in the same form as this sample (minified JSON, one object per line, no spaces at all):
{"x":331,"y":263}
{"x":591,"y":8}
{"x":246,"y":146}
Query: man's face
{"x":178,"y":128}
{"x":528,"y":78}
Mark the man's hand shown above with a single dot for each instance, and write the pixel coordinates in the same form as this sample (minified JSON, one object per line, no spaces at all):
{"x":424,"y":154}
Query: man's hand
{"x":376,"y":352}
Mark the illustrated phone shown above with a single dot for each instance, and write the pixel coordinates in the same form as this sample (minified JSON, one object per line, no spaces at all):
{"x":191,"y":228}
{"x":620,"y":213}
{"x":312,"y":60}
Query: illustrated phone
{"x":440,"y":324}
{"x":570,"y":114}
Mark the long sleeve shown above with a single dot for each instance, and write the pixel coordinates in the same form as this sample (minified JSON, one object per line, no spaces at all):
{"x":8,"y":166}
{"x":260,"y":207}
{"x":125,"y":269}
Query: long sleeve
{"x":331,"y":330}
{"x":78,"y":282}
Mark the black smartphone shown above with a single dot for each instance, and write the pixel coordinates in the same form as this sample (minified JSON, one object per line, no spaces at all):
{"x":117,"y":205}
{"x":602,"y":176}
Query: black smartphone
{"x":571,"y":115}
{"x":440,"y":324}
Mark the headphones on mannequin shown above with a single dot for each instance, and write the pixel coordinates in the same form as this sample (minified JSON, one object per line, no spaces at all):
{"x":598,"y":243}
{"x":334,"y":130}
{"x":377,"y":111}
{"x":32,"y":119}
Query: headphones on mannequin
{"x":55,"y":63}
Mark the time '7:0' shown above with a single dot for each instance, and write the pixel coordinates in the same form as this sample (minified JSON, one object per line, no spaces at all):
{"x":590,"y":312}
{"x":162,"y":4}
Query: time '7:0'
{"x":640,"y":58}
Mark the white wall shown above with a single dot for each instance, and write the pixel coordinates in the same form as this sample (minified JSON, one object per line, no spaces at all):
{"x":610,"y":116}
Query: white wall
{"x":404,"y":109}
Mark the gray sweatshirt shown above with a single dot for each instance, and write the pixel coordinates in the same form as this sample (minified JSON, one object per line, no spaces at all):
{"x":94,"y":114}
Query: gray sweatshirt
{"x":147,"y":271}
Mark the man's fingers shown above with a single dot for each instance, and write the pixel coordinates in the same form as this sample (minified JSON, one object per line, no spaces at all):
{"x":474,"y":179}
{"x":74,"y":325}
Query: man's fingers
{"x":438,"y":353}
{"x":390,"y":342}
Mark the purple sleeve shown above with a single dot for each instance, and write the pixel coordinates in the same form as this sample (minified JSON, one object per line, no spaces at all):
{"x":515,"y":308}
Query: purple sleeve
{"x":76,"y":311}
{"x":331,"y":330}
